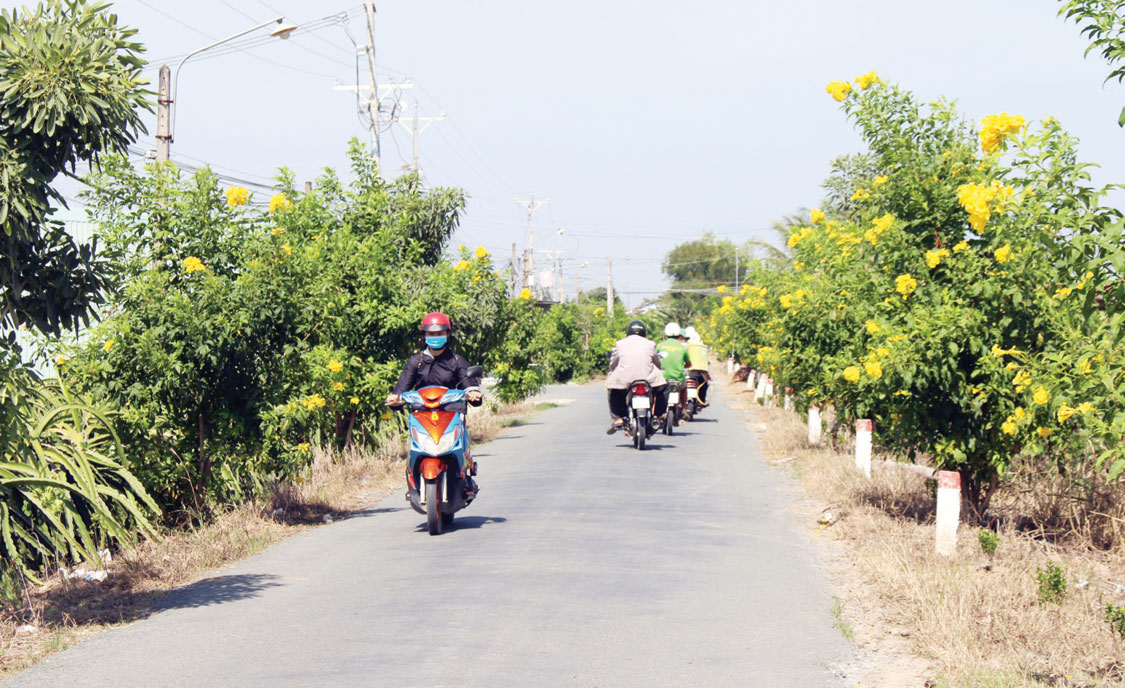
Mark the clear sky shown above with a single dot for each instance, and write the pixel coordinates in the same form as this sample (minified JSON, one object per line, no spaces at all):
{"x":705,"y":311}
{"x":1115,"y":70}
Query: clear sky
{"x":645,"y":123}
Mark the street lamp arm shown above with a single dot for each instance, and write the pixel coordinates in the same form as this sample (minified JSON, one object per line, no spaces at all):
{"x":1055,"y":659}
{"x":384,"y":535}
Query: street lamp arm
{"x":176,"y":75}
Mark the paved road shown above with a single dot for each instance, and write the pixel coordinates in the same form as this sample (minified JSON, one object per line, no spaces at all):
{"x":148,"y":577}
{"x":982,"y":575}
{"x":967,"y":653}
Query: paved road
{"x":583,"y":563}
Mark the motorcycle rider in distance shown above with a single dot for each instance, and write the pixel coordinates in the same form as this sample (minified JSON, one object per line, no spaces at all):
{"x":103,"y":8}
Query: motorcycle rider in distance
{"x":700,"y":368}
{"x":634,"y":358}
{"x":674,"y":358}
{"x":437,"y":364}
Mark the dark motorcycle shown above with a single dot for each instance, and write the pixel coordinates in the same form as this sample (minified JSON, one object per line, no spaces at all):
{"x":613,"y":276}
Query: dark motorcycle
{"x":674,"y":414}
{"x":639,"y":401}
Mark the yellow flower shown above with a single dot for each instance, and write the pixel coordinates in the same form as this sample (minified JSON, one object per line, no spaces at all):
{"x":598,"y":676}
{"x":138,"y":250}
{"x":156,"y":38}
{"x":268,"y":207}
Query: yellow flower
{"x":335,"y":366}
{"x":816,"y":215}
{"x":1084,"y":366}
{"x":798,"y":236}
{"x":1008,"y":427}
{"x":1043,"y":432}
{"x":721,"y":288}
{"x":872,"y":327}
{"x":995,"y":128}
{"x":797,"y":265}
{"x":838,"y":89}
{"x":873,"y":369}
{"x":861,"y":195}
{"x":237,"y":195}
{"x":108,"y":345}
{"x":355,"y":401}
{"x":525,"y":294}
{"x":1040,"y":395}
{"x":303,"y":447}
{"x":1003,"y":254}
{"x":866,"y":80}
{"x":1063,"y":292}
{"x":599,"y":312}
{"x":934,"y":256}
{"x":981,"y":201}
{"x":1018,"y":414}
{"x":905,"y":285}
{"x":786,"y":301}
{"x":60,"y":360}
{"x":338,"y":386}
{"x":276,"y":230}
{"x":481,"y":252}
{"x":314,"y":402}
{"x":288,"y":249}
{"x":961,"y":246}
{"x":880,"y":180}
{"x":462,"y":265}
{"x":851,"y":373}
{"x":192,"y":264}
{"x":280,"y":203}
{"x":1065,"y":412}
{"x":1085,"y":407}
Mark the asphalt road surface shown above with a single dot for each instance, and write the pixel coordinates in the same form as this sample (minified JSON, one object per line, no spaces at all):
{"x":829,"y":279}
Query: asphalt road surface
{"x":583,"y":563}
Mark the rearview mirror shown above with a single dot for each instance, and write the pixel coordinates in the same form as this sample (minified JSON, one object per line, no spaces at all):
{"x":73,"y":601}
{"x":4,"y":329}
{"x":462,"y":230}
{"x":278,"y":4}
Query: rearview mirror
{"x":474,"y":371}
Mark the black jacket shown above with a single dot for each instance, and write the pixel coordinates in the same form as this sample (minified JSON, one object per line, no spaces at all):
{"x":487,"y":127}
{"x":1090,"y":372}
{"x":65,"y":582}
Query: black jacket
{"x":424,"y":369}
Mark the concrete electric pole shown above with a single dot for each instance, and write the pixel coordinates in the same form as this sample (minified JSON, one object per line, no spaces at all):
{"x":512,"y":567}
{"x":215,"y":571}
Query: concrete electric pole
{"x":531,"y":205}
{"x":163,"y":103}
{"x":609,"y":300}
{"x":415,"y":131}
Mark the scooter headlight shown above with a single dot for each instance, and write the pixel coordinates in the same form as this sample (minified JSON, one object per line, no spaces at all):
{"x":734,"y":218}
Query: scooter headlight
{"x":427,"y":445}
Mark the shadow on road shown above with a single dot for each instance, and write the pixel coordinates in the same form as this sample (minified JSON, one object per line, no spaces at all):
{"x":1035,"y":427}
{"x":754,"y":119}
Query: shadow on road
{"x":373,"y":511}
{"x":217,"y":590}
{"x":468,"y":522}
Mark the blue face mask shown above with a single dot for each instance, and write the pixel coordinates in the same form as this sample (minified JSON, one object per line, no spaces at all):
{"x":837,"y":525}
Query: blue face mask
{"x":436,"y":343}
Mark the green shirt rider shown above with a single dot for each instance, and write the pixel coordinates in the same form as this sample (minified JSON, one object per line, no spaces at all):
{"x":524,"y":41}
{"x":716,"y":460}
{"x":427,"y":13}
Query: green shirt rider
{"x":674,"y":358}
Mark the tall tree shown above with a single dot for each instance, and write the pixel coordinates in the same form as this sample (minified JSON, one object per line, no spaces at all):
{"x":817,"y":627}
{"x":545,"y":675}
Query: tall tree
{"x":70,"y":91}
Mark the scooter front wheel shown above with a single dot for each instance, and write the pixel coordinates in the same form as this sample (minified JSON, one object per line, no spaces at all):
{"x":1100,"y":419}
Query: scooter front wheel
{"x":433,"y":507}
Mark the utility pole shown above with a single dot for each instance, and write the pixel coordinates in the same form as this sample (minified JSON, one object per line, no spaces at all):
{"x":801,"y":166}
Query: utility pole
{"x":512,"y":279}
{"x":163,"y":102}
{"x":373,"y":94}
{"x":415,"y":132}
{"x":609,"y":300}
{"x":737,"y":283}
{"x":531,"y":205}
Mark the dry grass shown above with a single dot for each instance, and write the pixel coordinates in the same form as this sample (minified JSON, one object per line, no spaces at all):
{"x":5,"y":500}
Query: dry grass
{"x":337,"y":484}
{"x":978,"y":619}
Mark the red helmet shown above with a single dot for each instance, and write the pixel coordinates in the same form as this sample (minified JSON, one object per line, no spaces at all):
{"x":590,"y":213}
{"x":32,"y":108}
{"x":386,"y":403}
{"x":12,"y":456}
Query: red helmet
{"x":435,"y":322}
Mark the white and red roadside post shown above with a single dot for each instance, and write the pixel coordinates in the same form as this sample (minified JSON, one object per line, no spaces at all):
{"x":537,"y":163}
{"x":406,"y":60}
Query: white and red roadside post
{"x":760,"y":390}
{"x":788,"y":398}
{"x":863,"y":429}
{"x":814,"y":425}
{"x":730,"y":366}
{"x":768,"y":391}
{"x":948,"y":512}
{"x":751,"y":380}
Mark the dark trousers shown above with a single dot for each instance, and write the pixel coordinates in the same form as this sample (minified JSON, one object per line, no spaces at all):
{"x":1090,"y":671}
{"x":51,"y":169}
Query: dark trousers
{"x":619,"y":409}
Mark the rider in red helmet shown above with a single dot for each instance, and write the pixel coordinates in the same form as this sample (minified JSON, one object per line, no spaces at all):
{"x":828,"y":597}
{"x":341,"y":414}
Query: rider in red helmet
{"x":437,"y":364}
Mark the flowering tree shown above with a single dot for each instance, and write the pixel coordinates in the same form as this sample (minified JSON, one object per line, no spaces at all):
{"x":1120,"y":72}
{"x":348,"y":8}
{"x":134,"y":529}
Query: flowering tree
{"x":936,"y":284}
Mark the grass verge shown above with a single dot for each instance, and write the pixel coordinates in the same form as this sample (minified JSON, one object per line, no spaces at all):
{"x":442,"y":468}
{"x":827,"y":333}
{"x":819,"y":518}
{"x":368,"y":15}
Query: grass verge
{"x":337,"y":484}
{"x":979,"y":619}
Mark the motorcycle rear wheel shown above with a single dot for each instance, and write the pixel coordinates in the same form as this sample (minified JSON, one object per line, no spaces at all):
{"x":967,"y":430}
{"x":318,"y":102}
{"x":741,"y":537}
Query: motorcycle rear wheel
{"x":433,"y":507}
{"x":641,"y":434}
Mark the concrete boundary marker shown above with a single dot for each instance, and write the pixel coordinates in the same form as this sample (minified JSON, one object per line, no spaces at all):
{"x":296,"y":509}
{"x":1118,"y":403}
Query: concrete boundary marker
{"x":948,"y":512}
{"x":863,"y":430}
